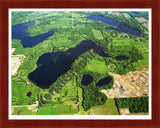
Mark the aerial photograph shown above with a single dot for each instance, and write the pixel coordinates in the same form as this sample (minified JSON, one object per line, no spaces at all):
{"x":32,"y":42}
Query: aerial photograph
{"x":79,"y":62}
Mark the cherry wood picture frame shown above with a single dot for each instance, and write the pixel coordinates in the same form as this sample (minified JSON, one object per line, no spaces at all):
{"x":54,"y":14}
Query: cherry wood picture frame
{"x":4,"y":63}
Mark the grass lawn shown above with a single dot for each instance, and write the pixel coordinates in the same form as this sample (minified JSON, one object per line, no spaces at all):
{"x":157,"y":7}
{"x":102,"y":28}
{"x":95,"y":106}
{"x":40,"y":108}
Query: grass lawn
{"x":96,"y":65}
{"x":24,"y":111}
{"x":97,"y":34}
{"x":57,"y":110}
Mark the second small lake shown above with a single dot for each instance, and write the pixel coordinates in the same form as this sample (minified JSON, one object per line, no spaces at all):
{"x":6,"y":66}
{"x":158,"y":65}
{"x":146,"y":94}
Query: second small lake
{"x":86,"y":80}
{"x":20,"y":32}
{"x":107,"y":20}
{"x":134,"y":13}
{"x":104,"y":81}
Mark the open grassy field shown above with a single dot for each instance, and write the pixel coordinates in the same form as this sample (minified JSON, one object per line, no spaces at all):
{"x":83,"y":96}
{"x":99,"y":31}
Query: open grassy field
{"x":97,"y":34}
{"x":57,"y":110}
{"x":23,"y":111}
{"x":96,"y":65}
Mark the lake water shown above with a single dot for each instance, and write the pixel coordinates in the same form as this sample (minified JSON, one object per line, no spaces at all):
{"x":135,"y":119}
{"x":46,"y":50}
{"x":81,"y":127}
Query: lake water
{"x":52,"y":65}
{"x":86,"y":80}
{"x":107,"y":20}
{"x":134,"y":13}
{"x":104,"y":81}
{"x":121,"y":57}
{"x":20,"y":32}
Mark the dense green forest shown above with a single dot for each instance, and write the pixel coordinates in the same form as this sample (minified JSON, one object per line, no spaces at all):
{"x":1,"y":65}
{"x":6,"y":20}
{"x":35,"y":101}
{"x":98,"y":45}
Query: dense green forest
{"x":135,"y":104}
{"x":91,"y":93}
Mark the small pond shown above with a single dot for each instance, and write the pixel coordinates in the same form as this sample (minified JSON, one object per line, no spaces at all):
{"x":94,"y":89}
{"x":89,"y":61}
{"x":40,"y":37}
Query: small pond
{"x":104,"y":81}
{"x":86,"y":80}
{"x":134,"y":13}
{"x":29,"y":94}
{"x":121,"y":57}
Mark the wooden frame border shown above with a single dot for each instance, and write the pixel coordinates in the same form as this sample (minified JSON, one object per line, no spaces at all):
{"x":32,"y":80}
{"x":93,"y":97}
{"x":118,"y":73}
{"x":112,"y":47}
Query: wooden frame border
{"x":6,"y":4}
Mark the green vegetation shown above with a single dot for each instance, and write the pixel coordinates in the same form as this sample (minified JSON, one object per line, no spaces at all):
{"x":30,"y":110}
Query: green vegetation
{"x":135,"y":105}
{"x":131,"y":22}
{"x":97,"y":34}
{"x":57,"y":110}
{"x":23,"y":111}
{"x":97,"y":65}
{"x":73,"y":98}
{"x":92,"y":97}
{"x":109,"y":108}
{"x":91,"y":93}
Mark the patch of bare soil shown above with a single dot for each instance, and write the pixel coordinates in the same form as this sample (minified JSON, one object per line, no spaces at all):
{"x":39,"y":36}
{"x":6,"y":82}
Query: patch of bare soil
{"x":142,"y":19}
{"x":19,"y":112}
{"x":12,"y":110}
{"x":133,"y":84}
{"x":113,"y":13}
{"x":124,"y":111}
{"x":126,"y":15}
{"x":116,"y":13}
{"x":16,"y":60}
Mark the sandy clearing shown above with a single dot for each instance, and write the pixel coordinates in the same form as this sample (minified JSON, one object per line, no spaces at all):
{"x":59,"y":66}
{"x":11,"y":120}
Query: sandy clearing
{"x":124,"y":111}
{"x":110,"y":12}
{"x":12,"y":110}
{"x":133,"y":84}
{"x":126,"y":15}
{"x":117,"y":13}
{"x":16,"y":60}
{"x":113,"y":13}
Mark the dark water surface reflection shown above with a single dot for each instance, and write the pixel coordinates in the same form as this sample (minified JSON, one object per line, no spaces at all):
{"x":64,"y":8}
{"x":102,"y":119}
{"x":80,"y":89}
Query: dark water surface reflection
{"x":54,"y":64}
{"x":20,"y":32}
{"x":86,"y":80}
{"x":104,"y":81}
{"x":107,"y":20}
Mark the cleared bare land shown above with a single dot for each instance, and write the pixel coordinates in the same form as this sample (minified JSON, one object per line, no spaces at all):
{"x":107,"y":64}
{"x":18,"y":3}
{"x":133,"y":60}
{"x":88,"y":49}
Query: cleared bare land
{"x":113,"y":13}
{"x":141,"y":19}
{"x":16,"y":60}
{"x":133,"y":84}
{"x":124,"y":111}
{"x":117,"y":13}
{"x":126,"y":15}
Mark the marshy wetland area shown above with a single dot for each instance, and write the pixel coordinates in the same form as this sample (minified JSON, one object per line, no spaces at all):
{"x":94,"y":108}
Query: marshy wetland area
{"x":79,"y":62}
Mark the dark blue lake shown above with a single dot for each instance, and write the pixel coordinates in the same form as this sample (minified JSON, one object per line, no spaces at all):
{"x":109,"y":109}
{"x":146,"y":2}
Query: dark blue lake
{"x":121,"y":57}
{"x":86,"y":80}
{"x":104,"y":81}
{"x":52,"y":65}
{"x":20,"y":32}
{"x":134,"y":13}
{"x":107,"y":20}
